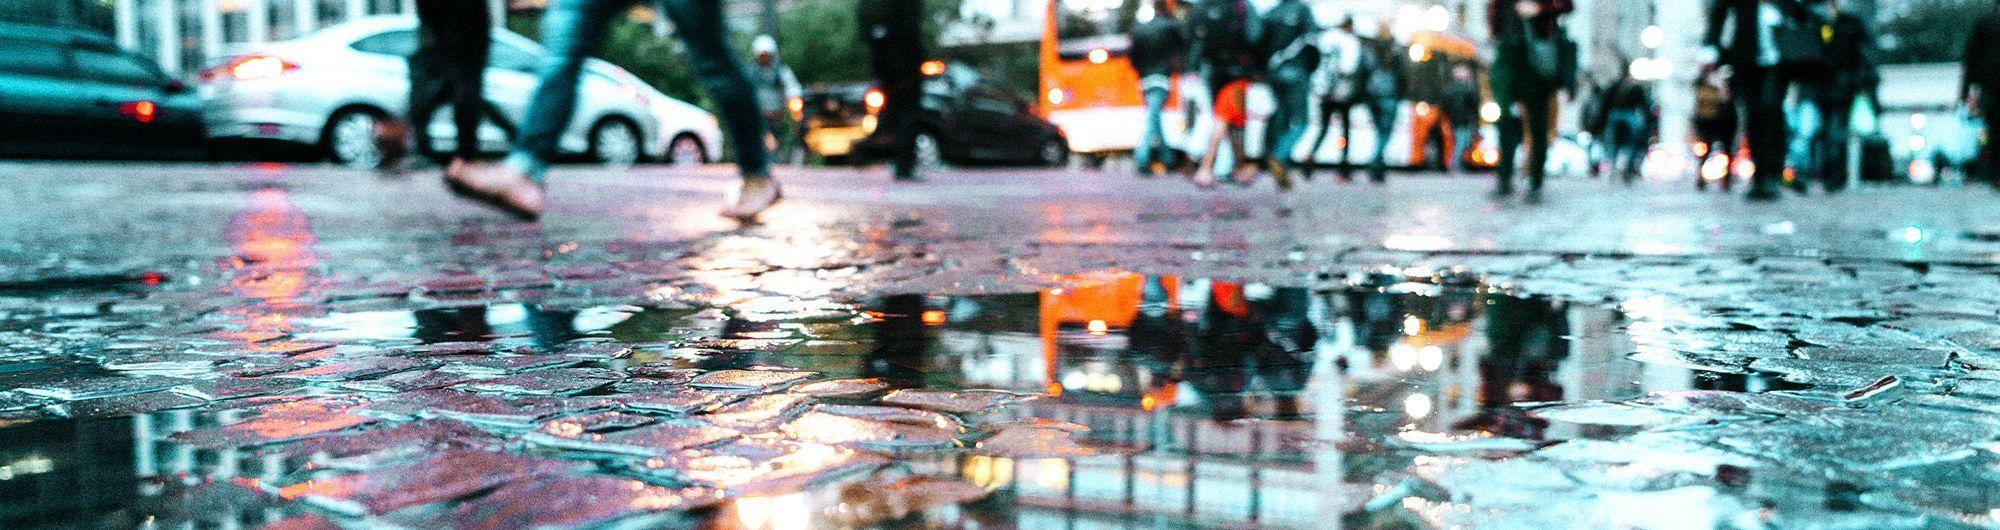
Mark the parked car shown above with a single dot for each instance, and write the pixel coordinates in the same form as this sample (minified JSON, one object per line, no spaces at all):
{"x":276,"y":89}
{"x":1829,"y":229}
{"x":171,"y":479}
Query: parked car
{"x":965,"y":119}
{"x":65,"y":93}
{"x":836,"y":118}
{"x":331,"y":88}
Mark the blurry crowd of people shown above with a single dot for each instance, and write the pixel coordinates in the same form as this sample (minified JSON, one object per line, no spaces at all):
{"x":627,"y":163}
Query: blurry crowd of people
{"x":1783,"y":78}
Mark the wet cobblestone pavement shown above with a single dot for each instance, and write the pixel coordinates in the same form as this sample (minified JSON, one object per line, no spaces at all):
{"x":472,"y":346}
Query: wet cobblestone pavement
{"x":225,"y":347}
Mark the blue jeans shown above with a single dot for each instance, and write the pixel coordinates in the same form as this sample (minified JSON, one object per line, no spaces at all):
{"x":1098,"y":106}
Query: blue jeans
{"x":1290,"y":85}
{"x":572,"y":30}
{"x":1153,"y":145}
{"x":1384,"y":112}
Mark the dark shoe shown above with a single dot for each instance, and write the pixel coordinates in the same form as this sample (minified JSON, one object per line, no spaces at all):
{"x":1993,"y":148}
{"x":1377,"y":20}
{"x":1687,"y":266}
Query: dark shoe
{"x":500,"y":186}
{"x":1502,"y":194}
{"x":1534,"y":196}
{"x":910,"y":178}
{"x":1763,"y":195}
{"x":753,"y":198}
{"x":392,"y":140}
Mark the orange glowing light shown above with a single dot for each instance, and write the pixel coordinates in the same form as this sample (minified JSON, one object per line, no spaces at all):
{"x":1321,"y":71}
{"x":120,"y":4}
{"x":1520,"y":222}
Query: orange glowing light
{"x":1055,"y":389}
{"x":1099,"y":56}
{"x":933,"y":67}
{"x":1057,"y":96}
{"x":934,"y":317}
{"x":139,"y":110}
{"x":1147,"y":403}
{"x":1097,"y":327}
{"x":874,"y":99}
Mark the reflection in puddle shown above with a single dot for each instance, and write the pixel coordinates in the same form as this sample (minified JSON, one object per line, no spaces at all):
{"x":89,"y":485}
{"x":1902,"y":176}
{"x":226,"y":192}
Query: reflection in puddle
{"x":1156,"y":401}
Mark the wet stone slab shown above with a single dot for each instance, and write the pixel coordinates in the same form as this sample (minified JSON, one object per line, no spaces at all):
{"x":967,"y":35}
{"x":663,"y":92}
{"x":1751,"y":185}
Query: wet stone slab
{"x":1388,"y":389}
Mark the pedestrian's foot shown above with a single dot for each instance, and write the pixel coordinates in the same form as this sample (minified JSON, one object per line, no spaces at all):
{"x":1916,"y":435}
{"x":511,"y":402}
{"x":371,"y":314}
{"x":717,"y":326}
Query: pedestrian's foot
{"x":1534,"y":196}
{"x":392,"y":141}
{"x":500,"y":186}
{"x":1762,"y":196}
{"x":455,"y":171}
{"x":910,"y":178}
{"x":1502,"y":193}
{"x":756,"y":195}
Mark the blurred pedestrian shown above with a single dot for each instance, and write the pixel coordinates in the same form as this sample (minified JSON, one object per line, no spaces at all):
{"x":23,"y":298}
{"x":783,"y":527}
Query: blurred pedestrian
{"x":777,"y":89}
{"x":1290,"y":44}
{"x":1159,"y":49}
{"x":1384,"y":93}
{"x":893,"y":30}
{"x":1630,"y":119}
{"x":1715,"y":127}
{"x":1981,"y":87}
{"x":1338,"y":86}
{"x":1222,"y":29}
{"x":449,"y":64}
{"x":1461,"y":109}
{"x":1529,"y":68}
{"x":1753,"y":58}
{"x":1831,"y":93}
{"x":572,"y":30}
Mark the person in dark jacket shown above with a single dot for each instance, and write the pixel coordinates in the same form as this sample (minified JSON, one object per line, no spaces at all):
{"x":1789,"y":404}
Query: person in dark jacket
{"x":1159,"y":48}
{"x":1222,"y":29}
{"x":1629,"y":121}
{"x":1289,"y":42}
{"x":1981,"y":88}
{"x":1756,"y":83}
{"x":1525,"y":85}
{"x":1849,"y":72}
{"x":1461,"y":110}
{"x":1384,"y":92}
{"x":449,"y":65}
{"x":893,"y":30}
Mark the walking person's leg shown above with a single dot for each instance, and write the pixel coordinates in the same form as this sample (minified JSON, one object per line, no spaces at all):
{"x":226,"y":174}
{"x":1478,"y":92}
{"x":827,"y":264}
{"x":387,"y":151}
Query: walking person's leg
{"x":1153,"y":142}
{"x":728,"y":84}
{"x":1538,"y":109}
{"x":1512,"y":129}
{"x":1346,"y":141}
{"x":1836,"y":111}
{"x":1326,"y":110}
{"x":899,"y":113}
{"x":428,"y":88}
{"x":1765,"y":122}
{"x":471,"y":35}
{"x":1384,"y":113}
{"x":571,"y":30}
{"x":1990,"y":107}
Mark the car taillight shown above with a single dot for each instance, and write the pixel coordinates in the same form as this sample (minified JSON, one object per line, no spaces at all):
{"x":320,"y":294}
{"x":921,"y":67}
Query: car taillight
{"x":139,"y":110}
{"x":251,"y":67}
{"x":874,"y":100}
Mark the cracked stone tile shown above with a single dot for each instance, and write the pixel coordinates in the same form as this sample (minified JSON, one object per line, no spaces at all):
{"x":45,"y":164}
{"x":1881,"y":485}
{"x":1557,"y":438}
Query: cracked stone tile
{"x":575,"y":501}
{"x":657,"y":439}
{"x":750,"y":379}
{"x":555,"y":381}
{"x":280,"y":422}
{"x":833,"y":429}
{"x":446,"y":476}
{"x":954,"y":401}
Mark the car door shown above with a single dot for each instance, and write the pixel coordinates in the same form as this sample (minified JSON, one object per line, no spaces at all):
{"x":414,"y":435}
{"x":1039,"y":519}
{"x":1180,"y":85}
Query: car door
{"x":38,"y":101}
{"x":510,"y":82}
{"x":984,"y":119}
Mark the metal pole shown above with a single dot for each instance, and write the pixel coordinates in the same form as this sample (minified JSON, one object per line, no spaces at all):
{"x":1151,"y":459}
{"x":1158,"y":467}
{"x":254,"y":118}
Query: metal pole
{"x":498,"y":8}
{"x":211,"y":30}
{"x":259,"y":16}
{"x":169,"y":35}
{"x":305,"y":15}
{"x":125,"y":23}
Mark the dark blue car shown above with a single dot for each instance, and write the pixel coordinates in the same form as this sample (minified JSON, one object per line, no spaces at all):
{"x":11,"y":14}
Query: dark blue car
{"x":71,"y":94}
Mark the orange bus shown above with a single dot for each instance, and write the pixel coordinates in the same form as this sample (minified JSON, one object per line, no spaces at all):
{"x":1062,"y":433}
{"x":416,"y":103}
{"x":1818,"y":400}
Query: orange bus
{"x":1088,"y":86}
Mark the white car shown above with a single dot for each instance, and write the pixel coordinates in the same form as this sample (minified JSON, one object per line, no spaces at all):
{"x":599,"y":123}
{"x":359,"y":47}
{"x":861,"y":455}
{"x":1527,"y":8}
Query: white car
{"x":330,"y":89}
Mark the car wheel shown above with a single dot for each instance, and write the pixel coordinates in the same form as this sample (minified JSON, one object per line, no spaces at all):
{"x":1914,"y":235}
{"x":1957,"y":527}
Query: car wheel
{"x":351,"y":138}
{"x":686,"y":150}
{"x":1055,"y":152}
{"x":615,"y":142}
{"x":930,"y":154}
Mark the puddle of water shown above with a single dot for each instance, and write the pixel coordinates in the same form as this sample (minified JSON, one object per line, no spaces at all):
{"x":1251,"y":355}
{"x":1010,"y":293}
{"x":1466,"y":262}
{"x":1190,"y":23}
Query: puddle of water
{"x":1158,"y":401}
